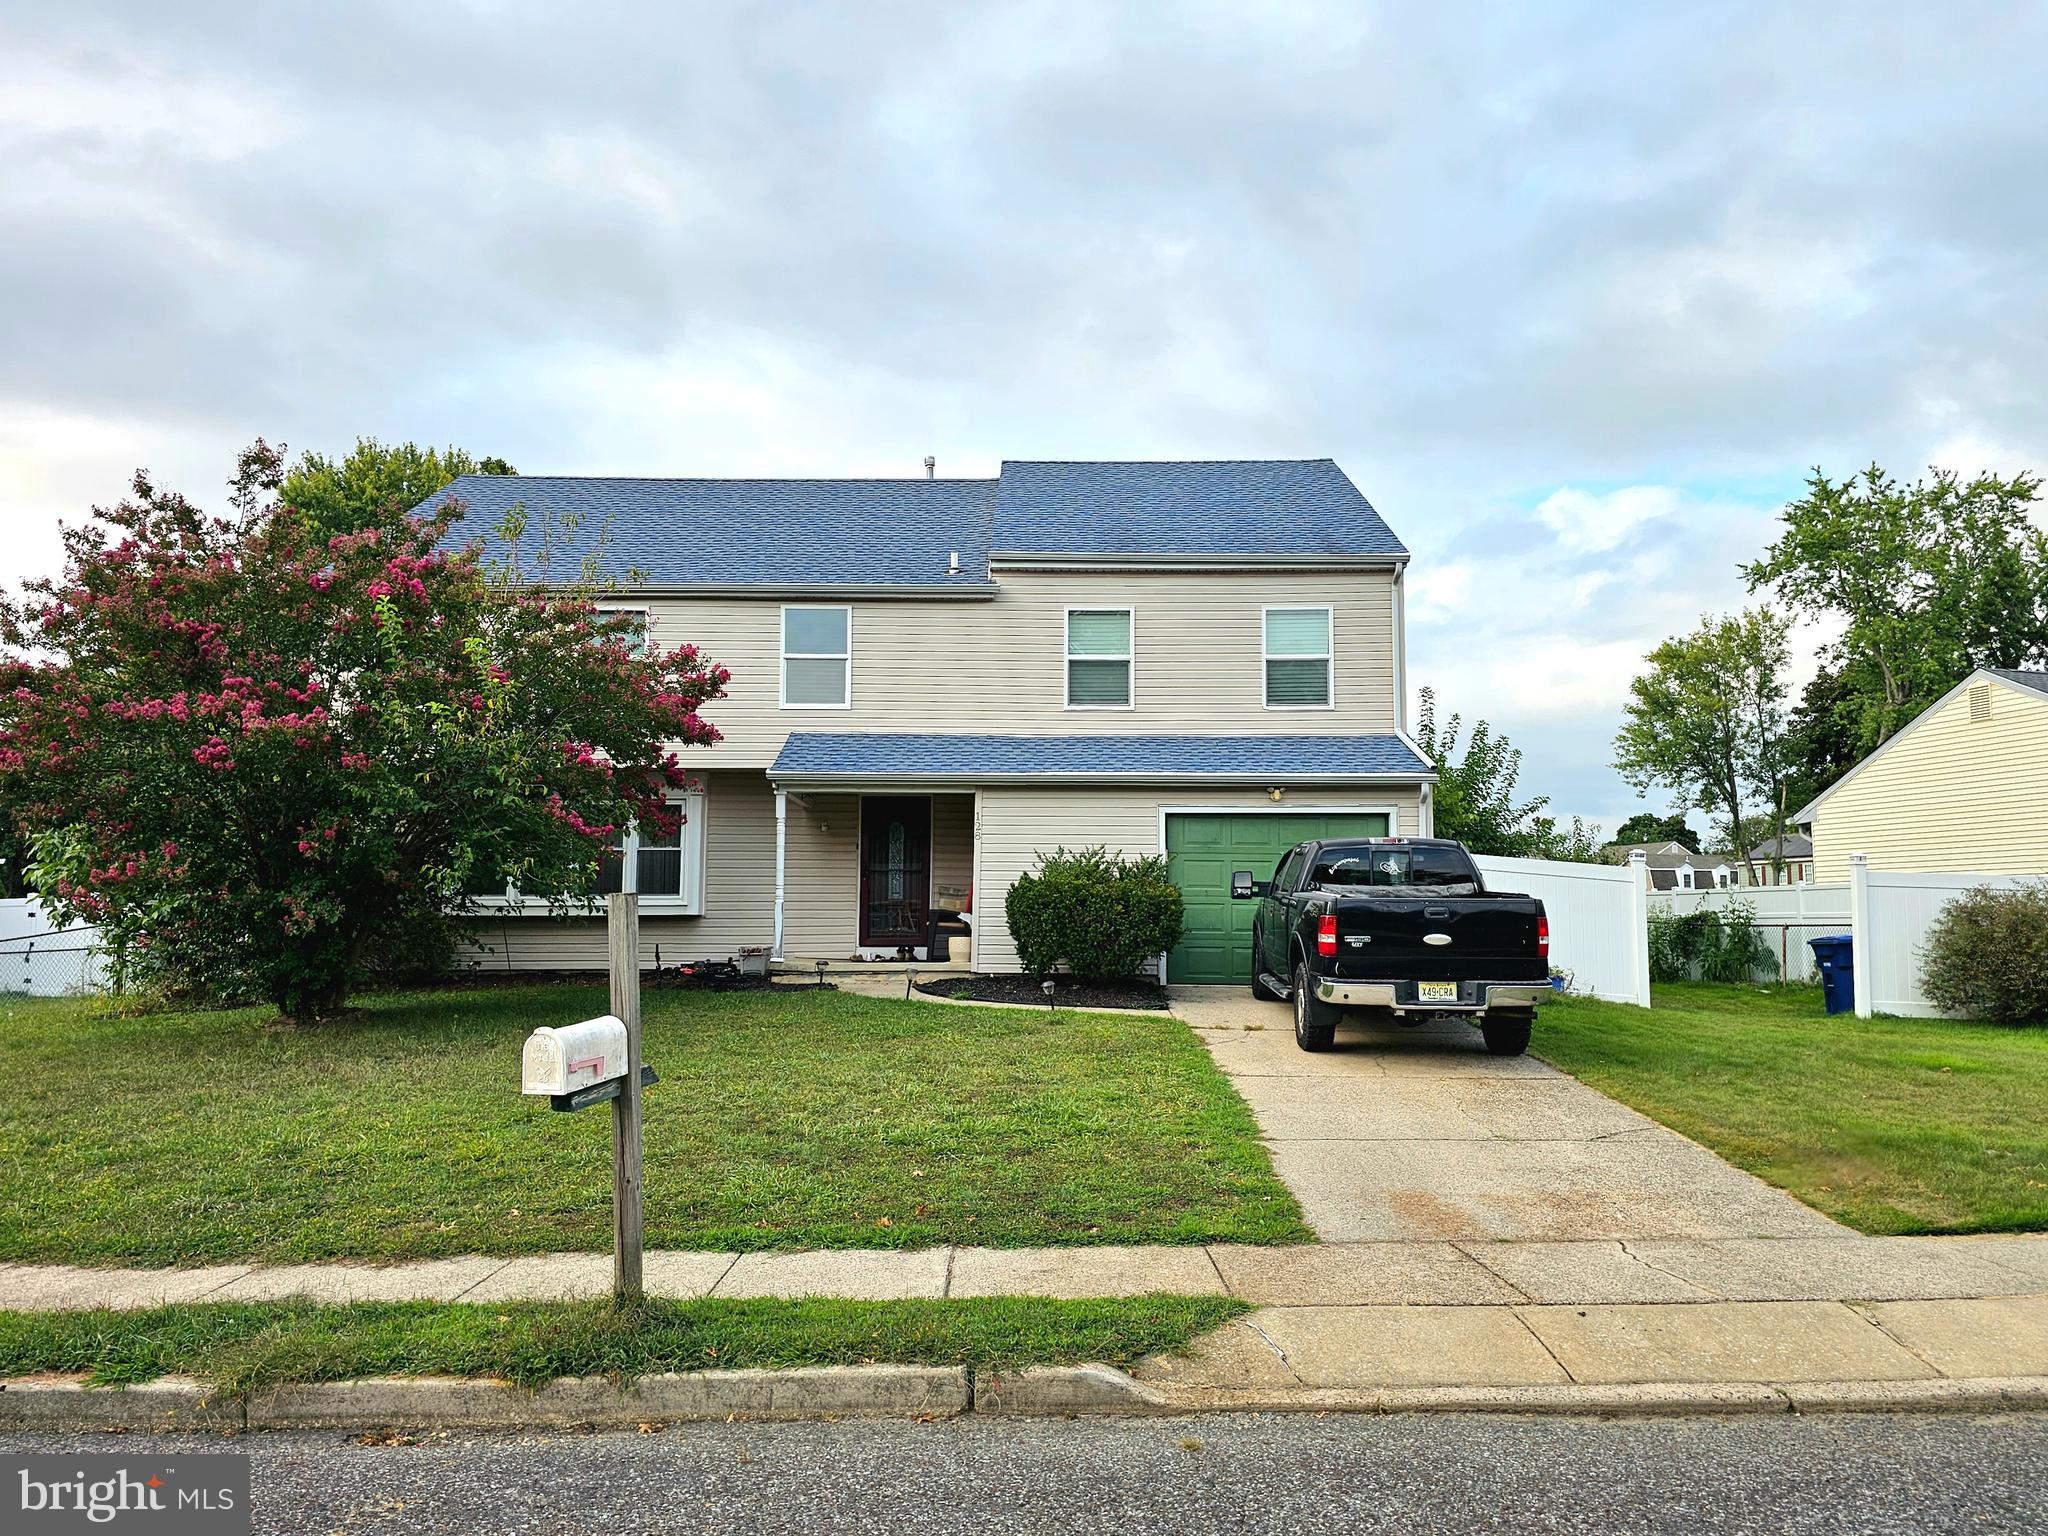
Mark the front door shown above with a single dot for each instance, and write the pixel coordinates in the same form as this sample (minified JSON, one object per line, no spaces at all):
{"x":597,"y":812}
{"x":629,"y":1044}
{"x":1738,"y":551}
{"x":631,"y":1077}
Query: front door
{"x":895,"y":870}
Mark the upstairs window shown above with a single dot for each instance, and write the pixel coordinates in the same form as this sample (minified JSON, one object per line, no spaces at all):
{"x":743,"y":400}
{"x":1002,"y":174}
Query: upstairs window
{"x":1098,"y":658}
{"x":817,"y":658}
{"x":1297,"y":658}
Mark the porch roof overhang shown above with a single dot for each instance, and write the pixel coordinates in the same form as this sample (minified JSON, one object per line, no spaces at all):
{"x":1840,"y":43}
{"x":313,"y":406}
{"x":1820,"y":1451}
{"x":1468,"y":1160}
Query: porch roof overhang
{"x":893,"y":759}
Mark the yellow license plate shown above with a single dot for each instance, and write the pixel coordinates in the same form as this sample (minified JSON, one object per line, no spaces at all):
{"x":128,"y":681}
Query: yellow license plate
{"x":1436,"y":991}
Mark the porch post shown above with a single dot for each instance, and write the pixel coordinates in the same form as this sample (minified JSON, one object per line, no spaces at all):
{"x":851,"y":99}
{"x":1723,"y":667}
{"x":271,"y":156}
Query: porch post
{"x":781,"y":854}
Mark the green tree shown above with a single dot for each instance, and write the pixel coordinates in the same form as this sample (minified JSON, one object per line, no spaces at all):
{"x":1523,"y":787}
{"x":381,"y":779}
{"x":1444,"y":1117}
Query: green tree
{"x":264,"y":760}
{"x":1649,"y":827}
{"x":374,"y":486}
{"x":1825,"y":743}
{"x":1929,"y":580}
{"x":1475,"y":797}
{"x":1706,"y":721}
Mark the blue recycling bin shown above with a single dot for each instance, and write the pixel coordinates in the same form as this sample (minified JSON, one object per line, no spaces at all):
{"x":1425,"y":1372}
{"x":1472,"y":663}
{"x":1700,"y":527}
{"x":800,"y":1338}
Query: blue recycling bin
{"x":1835,"y":956}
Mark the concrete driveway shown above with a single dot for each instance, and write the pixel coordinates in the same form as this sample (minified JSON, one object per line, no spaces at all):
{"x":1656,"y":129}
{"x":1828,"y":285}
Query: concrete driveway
{"x":1405,"y":1135}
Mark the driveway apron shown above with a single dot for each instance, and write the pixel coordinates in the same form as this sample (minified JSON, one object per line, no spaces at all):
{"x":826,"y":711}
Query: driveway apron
{"x":1406,"y":1135}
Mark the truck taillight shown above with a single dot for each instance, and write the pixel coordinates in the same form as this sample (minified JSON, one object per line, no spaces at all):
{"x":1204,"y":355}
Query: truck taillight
{"x":1326,"y":934}
{"x":1543,"y":938}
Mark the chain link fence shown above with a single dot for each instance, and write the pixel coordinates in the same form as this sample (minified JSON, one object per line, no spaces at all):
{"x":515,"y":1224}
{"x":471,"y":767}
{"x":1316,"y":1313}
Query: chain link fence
{"x":53,"y":964}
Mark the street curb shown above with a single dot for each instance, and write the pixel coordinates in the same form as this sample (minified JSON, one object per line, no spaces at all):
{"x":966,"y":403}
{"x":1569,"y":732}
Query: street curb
{"x":168,"y":1403}
{"x":820,"y":1392}
{"x":1937,"y":1395}
{"x":1067,"y":1389}
{"x":920,"y":1392}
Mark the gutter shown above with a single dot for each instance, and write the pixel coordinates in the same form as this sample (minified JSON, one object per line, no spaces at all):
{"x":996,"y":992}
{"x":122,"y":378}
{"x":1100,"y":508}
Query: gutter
{"x":814,"y":779}
{"x":972,"y":591}
{"x":1027,"y":559}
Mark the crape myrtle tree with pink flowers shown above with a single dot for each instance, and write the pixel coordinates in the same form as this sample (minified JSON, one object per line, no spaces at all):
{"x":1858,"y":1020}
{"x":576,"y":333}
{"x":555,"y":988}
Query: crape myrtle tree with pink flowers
{"x":267,"y":761}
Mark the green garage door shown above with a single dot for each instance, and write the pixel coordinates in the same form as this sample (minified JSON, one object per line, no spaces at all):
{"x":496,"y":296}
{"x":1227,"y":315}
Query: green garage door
{"x":1201,"y":853}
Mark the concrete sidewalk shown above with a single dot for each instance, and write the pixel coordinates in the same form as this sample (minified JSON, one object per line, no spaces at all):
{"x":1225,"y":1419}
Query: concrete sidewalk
{"x":1876,"y":1354}
{"x":1340,"y":1275}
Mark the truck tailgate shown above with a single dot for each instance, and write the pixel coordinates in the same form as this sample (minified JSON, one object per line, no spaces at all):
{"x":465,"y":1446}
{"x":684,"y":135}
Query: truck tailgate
{"x":1446,"y":938}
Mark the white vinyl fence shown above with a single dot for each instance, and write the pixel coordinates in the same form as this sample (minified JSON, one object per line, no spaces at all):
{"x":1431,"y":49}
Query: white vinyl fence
{"x":1888,"y":914}
{"x":1598,"y":921}
{"x":1786,"y":915}
{"x":1895,"y":911}
{"x":43,"y":960}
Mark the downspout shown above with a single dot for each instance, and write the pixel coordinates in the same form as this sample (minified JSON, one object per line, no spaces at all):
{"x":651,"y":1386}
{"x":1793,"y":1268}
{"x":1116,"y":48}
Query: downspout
{"x":1400,"y":651}
{"x":781,"y":857}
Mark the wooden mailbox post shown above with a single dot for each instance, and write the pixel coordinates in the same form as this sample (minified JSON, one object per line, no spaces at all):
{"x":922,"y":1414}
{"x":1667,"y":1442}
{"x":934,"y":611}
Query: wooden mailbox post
{"x":579,"y":1066}
{"x":624,"y":920}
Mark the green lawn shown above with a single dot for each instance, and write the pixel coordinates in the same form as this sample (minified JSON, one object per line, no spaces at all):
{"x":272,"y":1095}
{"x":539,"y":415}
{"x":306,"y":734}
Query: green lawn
{"x":782,"y":1120}
{"x":242,"y":1347}
{"x":1889,"y":1124}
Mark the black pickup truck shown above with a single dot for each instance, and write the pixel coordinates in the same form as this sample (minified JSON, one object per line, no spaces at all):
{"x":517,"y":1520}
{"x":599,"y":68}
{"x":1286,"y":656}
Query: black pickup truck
{"x":1404,"y":924}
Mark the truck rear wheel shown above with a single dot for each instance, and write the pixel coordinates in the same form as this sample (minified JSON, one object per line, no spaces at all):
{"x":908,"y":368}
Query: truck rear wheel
{"x":1315,"y":1021}
{"x":1507,"y":1033}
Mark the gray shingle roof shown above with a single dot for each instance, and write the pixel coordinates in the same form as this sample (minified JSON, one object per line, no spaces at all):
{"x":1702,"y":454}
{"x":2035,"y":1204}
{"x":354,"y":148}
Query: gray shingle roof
{"x":1227,"y":507}
{"x":1796,"y":846}
{"x":855,"y":754}
{"x":751,"y":532}
{"x":781,"y":533}
{"x":2035,"y":680}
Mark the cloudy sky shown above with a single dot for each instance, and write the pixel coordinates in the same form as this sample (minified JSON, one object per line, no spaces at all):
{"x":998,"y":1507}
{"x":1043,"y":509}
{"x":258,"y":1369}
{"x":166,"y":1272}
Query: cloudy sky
{"x":1576,"y":296}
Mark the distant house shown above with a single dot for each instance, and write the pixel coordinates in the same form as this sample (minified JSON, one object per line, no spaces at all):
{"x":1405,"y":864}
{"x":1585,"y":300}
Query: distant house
{"x":1786,"y":860}
{"x":1675,"y":867}
{"x":1963,"y":788}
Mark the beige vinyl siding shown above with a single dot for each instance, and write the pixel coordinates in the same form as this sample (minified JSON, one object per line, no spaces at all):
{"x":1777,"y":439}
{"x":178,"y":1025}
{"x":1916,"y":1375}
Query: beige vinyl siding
{"x":739,"y":898}
{"x":821,"y":893}
{"x":1949,"y":795}
{"x":952,"y":847}
{"x":1000,"y":665}
{"x":1020,"y":822}
{"x":821,"y":917}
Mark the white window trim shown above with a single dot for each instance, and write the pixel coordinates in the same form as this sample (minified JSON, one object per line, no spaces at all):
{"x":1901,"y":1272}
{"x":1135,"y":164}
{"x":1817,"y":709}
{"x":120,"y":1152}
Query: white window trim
{"x":689,"y":902}
{"x":782,"y":669}
{"x":1129,"y":657}
{"x":1328,"y":656}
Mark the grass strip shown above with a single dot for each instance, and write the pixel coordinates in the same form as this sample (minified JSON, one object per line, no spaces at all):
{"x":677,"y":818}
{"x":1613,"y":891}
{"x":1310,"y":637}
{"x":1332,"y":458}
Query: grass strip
{"x":244,"y":1347}
{"x":798,"y":1118}
{"x":1893,"y":1125}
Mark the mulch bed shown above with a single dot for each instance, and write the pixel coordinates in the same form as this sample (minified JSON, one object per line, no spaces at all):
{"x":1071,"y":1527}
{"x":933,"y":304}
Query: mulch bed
{"x":1067,"y":993}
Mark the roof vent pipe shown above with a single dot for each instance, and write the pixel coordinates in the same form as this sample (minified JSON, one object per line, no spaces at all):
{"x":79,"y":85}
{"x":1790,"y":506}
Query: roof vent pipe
{"x":953,"y":565}
{"x":931,"y":465}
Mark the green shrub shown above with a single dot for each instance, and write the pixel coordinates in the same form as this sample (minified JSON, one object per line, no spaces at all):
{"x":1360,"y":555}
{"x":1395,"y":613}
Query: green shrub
{"x":1987,"y":954}
{"x":1709,"y":944}
{"x":1100,"y":918}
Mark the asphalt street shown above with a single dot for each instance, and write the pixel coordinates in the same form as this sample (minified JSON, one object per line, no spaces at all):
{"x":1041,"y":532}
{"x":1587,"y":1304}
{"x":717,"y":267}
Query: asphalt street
{"x":1293,"y":1474}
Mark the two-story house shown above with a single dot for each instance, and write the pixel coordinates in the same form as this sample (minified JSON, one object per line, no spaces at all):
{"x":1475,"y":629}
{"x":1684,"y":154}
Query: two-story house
{"x":936,"y":680}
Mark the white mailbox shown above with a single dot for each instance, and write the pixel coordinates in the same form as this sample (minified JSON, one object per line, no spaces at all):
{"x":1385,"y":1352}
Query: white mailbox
{"x":558,"y":1061}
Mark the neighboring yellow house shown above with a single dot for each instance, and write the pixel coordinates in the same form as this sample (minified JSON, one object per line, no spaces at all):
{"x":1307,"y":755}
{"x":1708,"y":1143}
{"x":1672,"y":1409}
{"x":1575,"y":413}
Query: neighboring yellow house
{"x":1963,"y":788}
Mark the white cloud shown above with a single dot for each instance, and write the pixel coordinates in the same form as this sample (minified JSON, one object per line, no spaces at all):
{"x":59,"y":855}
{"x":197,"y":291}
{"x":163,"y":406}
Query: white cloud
{"x":1587,"y":520}
{"x":1438,"y":593}
{"x":109,"y":107}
